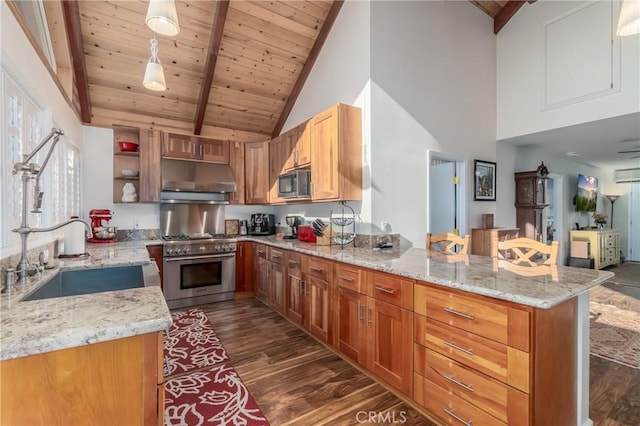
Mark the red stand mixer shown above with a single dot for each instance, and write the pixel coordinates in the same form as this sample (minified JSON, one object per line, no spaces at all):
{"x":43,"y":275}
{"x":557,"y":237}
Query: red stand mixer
{"x":101,"y":233}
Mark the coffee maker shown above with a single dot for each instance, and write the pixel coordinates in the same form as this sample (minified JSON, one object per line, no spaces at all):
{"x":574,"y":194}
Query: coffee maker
{"x":292,"y":227}
{"x":262,"y":224}
{"x":99,"y":232}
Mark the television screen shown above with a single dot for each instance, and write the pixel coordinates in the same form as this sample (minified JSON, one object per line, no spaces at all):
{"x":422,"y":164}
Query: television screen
{"x":587,"y":193}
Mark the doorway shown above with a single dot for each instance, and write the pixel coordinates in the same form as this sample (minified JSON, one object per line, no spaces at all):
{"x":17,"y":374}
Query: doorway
{"x":634,"y":222}
{"x":446,"y":193}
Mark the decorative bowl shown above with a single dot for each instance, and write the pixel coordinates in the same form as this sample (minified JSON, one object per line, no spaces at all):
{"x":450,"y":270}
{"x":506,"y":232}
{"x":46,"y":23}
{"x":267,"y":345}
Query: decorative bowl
{"x":344,"y":239}
{"x":129,"y":173}
{"x":128,"y":146}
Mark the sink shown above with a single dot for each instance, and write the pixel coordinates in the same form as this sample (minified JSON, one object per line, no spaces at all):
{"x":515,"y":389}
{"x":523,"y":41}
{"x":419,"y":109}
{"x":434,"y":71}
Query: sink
{"x":87,"y":281}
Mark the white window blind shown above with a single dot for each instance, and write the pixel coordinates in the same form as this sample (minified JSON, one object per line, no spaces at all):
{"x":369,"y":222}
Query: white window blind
{"x":23,"y":127}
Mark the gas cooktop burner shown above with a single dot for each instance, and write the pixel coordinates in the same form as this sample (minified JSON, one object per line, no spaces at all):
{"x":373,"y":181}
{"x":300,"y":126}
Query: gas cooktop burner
{"x":195,"y":236}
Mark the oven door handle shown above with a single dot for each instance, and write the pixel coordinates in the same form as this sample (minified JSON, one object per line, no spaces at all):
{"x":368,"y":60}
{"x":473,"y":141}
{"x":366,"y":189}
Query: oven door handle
{"x":205,"y":257}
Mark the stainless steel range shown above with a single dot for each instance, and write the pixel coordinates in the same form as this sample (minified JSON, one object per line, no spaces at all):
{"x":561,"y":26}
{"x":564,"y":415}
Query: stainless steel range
{"x":198,"y":269}
{"x":199,"y":263}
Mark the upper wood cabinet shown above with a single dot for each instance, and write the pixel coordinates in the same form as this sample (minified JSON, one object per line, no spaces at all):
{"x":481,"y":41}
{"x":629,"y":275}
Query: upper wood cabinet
{"x":150,"y":177}
{"x":277,"y":160}
{"x":140,"y":168}
{"x":256,"y":174}
{"x":297,"y":147}
{"x":236,"y":162}
{"x":336,"y":154}
{"x":188,"y":147}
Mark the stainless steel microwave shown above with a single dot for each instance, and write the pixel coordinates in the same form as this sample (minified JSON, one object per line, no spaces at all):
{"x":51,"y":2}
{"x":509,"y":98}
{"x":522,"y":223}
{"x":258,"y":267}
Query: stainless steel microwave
{"x":295,"y":184}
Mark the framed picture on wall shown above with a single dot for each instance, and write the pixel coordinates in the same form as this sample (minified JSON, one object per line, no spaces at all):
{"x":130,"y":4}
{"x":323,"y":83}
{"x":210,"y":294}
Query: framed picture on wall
{"x":484,"y":178}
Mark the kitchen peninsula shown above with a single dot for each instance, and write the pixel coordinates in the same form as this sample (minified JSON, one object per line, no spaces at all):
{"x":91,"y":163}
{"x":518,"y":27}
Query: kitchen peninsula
{"x":460,"y":335}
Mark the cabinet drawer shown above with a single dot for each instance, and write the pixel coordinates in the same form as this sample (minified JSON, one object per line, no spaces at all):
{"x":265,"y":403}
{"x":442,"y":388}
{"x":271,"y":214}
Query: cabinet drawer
{"x":451,"y":409}
{"x":294,"y":264}
{"x":391,"y":289}
{"x":349,"y":277}
{"x":261,"y":251}
{"x":277,"y":255}
{"x":480,"y":316}
{"x":509,"y":365}
{"x":320,"y":268}
{"x":507,"y":404}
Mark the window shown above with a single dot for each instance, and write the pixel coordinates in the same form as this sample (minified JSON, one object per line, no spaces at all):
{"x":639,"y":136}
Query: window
{"x":23,"y":128}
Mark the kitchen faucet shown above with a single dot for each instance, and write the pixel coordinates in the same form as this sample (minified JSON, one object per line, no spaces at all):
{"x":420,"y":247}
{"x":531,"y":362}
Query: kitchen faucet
{"x":34,"y":171}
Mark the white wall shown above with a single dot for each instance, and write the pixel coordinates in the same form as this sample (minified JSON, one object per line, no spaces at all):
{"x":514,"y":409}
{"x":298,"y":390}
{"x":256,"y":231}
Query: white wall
{"x":341,"y":74}
{"x":521,"y":89}
{"x":433,"y":72}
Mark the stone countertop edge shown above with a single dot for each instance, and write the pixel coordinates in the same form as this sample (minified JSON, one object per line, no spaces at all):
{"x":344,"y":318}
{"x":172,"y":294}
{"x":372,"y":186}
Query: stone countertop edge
{"x":34,"y":327}
{"x":478,"y":277}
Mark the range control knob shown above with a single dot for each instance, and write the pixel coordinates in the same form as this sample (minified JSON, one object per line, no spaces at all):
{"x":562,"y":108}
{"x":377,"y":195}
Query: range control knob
{"x":187,"y":250}
{"x":169,"y":251}
{"x":202,"y":249}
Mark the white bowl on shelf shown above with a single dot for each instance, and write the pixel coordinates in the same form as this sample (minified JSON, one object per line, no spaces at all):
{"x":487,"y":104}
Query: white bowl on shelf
{"x":129,"y":173}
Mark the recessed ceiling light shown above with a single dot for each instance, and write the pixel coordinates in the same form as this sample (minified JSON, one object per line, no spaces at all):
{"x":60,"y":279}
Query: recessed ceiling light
{"x":573,"y":154}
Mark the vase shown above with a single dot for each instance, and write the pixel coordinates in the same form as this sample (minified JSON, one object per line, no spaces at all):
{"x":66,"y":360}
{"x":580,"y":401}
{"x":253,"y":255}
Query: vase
{"x":601,"y":226}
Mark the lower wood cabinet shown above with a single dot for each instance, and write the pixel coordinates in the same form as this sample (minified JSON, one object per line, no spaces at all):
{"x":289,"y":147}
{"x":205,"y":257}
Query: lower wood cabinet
{"x":278,"y":282}
{"x":296,"y":287}
{"x":261,"y":265}
{"x":391,"y":356}
{"x":373,"y":332}
{"x":320,"y":274}
{"x":244,"y":266}
{"x":462,"y":357}
{"x":116,"y":382}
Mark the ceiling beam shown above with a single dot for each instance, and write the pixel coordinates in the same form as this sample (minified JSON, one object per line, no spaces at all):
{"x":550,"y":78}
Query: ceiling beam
{"x":506,"y":13}
{"x":210,"y":66}
{"x":71,"y":12}
{"x":308,"y":66}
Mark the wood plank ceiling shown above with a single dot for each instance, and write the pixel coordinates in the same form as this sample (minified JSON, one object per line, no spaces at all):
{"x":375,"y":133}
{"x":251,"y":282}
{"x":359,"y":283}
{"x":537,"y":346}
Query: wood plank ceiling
{"x":253,"y":57}
{"x":263,"y":48}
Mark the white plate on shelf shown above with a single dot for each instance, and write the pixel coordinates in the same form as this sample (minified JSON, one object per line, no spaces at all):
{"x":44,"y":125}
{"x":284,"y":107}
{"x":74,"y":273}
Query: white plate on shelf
{"x":129,"y":173}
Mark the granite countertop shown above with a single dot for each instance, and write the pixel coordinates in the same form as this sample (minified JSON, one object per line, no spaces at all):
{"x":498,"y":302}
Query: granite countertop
{"x":476,"y":274}
{"x":39,"y":326}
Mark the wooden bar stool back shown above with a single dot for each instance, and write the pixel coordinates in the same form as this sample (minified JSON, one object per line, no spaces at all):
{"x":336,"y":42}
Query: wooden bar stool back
{"x":526,"y":251}
{"x":448,"y":243}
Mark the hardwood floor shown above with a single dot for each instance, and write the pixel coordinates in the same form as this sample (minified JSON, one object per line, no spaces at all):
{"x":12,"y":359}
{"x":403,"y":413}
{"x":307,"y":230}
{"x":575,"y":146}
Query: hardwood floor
{"x":297,"y":381}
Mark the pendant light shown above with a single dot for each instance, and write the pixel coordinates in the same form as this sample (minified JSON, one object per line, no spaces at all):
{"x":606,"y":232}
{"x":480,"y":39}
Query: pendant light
{"x":154,"y":75}
{"x":162,"y":17}
{"x":629,"y":21}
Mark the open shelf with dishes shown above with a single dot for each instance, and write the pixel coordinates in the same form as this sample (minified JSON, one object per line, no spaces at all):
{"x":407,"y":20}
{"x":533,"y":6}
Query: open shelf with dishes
{"x":126,"y":163}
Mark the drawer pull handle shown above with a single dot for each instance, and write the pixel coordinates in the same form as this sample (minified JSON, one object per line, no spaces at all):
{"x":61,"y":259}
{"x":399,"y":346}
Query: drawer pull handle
{"x":460,"y":419}
{"x":276,"y":255}
{"x":385,"y":290}
{"x":261,"y":252}
{"x":454,"y":346}
{"x":367,"y":316}
{"x":460,"y":314}
{"x":459,"y":383}
{"x":316,"y":269}
{"x":344,"y":277}
{"x":293,"y":262}
{"x":360,"y":305}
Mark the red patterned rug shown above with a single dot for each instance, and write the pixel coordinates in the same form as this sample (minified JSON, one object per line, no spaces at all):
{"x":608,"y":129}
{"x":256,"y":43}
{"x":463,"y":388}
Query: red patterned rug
{"x":615,"y":334}
{"x":216,"y":396}
{"x":201,"y":386}
{"x":190,"y":344}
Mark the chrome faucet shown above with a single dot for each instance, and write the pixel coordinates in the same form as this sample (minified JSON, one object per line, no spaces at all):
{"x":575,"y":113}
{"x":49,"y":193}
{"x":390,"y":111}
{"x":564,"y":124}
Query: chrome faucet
{"x":33,"y":171}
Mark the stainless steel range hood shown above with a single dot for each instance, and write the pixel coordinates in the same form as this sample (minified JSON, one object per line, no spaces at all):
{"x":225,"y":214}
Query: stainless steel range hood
{"x":197,"y":177}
